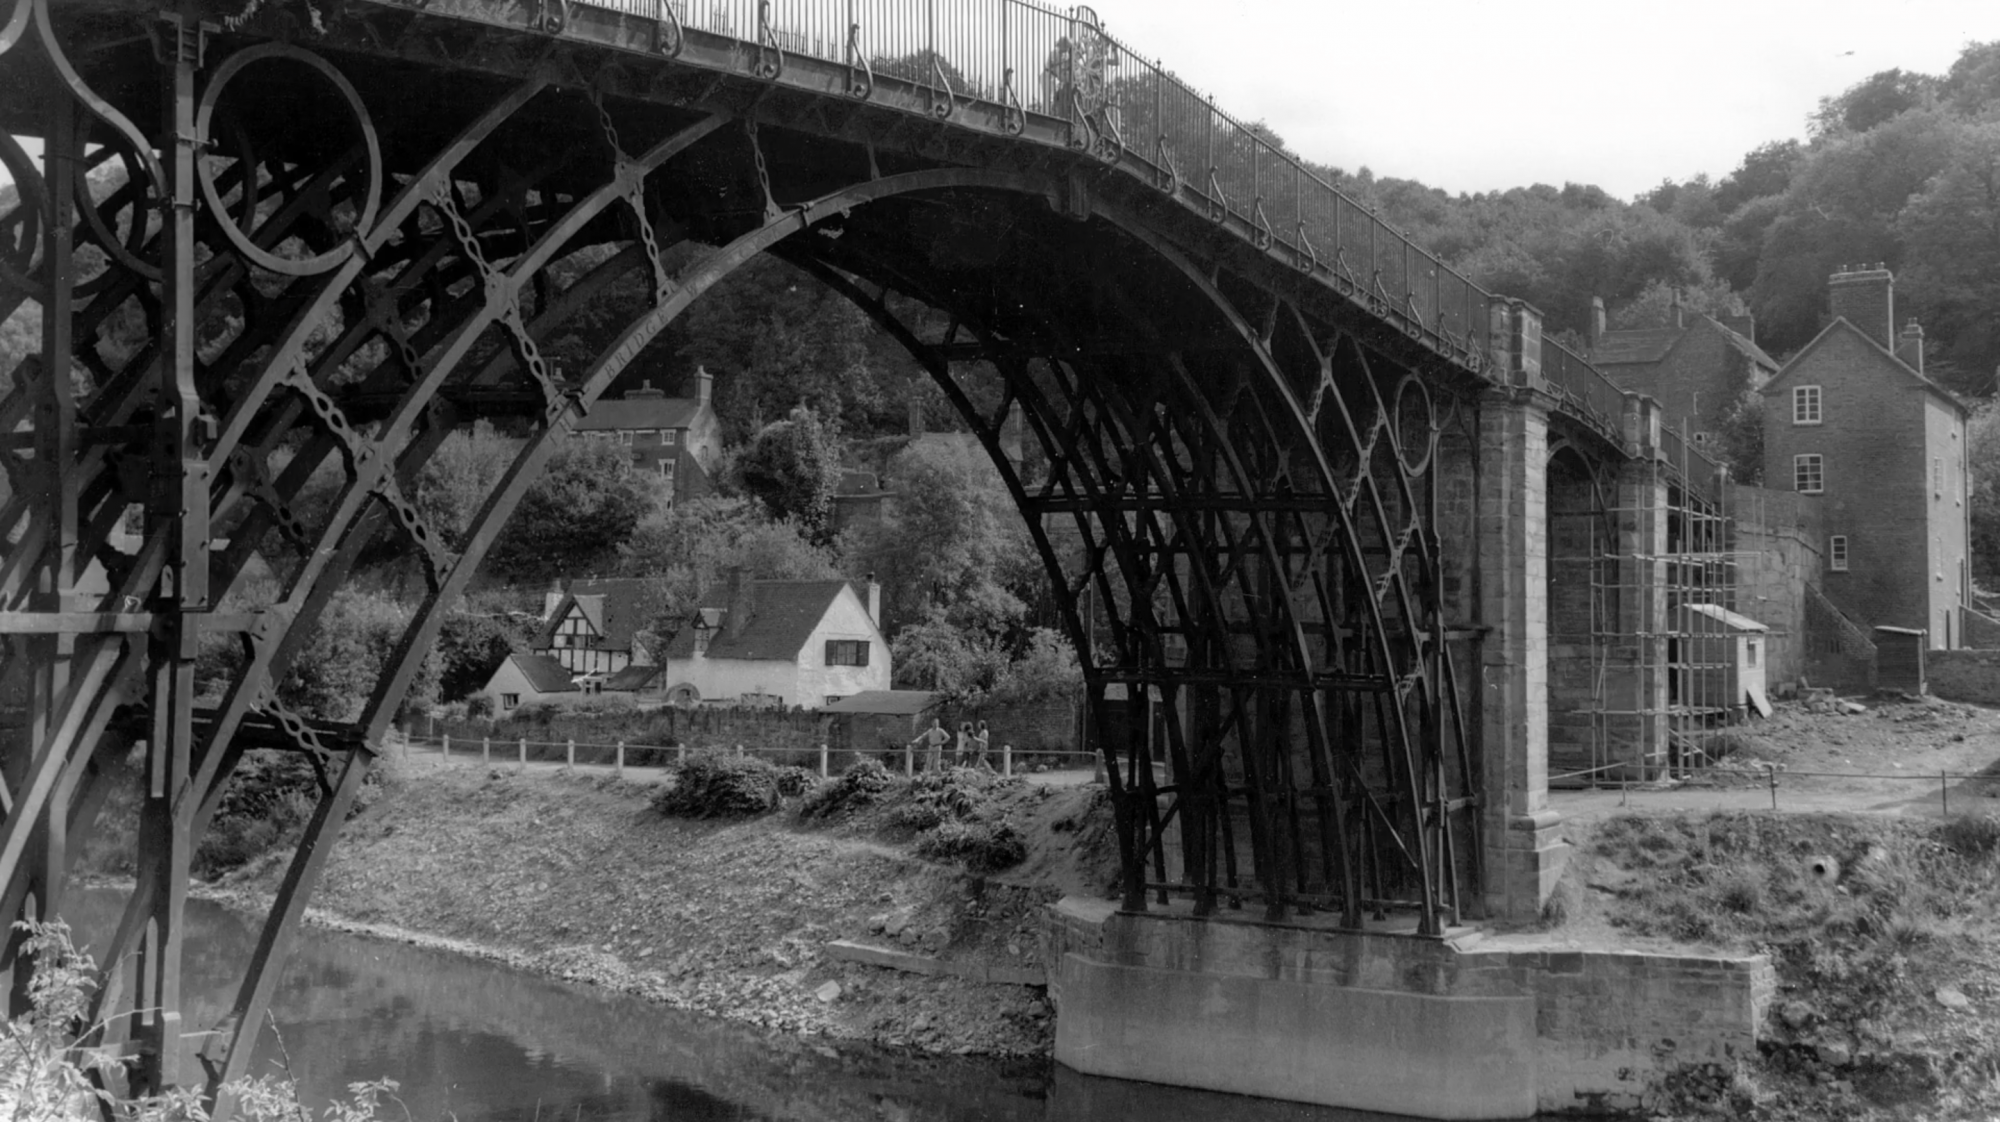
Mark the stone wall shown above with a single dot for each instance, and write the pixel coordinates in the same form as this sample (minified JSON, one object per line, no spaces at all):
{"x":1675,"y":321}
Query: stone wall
{"x":1972,"y":676}
{"x":1499,"y":1027}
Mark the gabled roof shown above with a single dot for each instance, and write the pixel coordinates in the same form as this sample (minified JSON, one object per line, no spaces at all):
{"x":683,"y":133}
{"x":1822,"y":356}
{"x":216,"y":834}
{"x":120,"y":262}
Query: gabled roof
{"x":633,"y":678}
{"x":895,"y":703}
{"x":615,"y":609}
{"x":1651,"y":344}
{"x":783,"y":615}
{"x":544,"y":673}
{"x":641,"y":413}
{"x":1840,"y":324}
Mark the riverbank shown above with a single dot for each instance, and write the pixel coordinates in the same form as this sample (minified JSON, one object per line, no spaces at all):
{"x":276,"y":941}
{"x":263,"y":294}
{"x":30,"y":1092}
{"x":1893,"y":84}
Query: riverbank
{"x":582,"y":879}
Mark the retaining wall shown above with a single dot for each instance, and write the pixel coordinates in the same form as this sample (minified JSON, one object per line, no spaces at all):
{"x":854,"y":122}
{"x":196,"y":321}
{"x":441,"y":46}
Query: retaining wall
{"x":1964,"y":675}
{"x":1493,"y":1028}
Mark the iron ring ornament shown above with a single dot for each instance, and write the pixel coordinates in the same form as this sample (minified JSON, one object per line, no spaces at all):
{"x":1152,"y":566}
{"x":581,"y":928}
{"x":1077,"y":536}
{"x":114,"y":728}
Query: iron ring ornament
{"x":1415,"y":424}
{"x":263,"y":259}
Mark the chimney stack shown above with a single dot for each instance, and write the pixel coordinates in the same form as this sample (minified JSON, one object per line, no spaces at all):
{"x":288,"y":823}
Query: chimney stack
{"x":645,"y":392}
{"x":1674,"y":310}
{"x":704,"y":385}
{"x":874,"y":600}
{"x":1911,"y":347}
{"x":1597,"y":321}
{"x":738,"y":616}
{"x":1865,"y":296}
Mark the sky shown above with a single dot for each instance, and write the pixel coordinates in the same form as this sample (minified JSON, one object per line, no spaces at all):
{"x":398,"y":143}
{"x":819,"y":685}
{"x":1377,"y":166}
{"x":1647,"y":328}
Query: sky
{"x":1478,"y":96}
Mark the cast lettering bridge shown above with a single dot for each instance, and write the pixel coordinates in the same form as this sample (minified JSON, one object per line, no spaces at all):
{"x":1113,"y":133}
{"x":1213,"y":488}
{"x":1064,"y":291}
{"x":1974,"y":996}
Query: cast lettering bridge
{"x":1293,"y":460}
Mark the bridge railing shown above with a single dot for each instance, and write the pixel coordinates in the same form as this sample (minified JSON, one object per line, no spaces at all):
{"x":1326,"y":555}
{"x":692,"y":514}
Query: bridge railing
{"x":1021,"y":58}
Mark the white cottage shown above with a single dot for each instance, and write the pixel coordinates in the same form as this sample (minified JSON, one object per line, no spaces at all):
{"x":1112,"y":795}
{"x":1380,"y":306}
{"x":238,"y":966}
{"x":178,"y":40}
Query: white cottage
{"x":525,"y":679}
{"x":781,"y":643}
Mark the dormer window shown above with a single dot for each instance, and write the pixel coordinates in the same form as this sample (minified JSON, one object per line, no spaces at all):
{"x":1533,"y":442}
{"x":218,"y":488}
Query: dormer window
{"x":701,"y":637}
{"x":1805,"y":405}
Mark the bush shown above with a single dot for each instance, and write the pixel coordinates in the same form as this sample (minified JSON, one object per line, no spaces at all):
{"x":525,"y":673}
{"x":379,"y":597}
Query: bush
{"x":857,"y":787}
{"x":984,"y":847}
{"x":795,"y":781}
{"x":721,"y":787}
{"x":1973,"y":835}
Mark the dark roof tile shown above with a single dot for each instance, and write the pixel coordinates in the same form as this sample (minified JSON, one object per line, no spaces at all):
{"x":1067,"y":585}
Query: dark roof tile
{"x":783,"y":614}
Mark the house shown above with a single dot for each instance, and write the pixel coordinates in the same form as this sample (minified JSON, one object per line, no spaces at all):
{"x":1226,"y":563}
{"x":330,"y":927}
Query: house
{"x":678,"y":438}
{"x":1853,"y":419}
{"x":777,"y":642}
{"x":642,"y":682}
{"x":588,"y":627}
{"x":524,"y":679}
{"x":1697,"y":367}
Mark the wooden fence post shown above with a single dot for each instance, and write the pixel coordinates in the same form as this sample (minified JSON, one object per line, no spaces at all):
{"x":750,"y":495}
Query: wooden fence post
{"x":822,"y":761}
{"x":524,"y":754}
{"x":486,"y":750}
{"x":569,"y":754}
{"x":447,"y":747}
{"x":1007,"y":761}
{"x":680,"y":753}
{"x":621,"y":759}
{"x":909,"y":761}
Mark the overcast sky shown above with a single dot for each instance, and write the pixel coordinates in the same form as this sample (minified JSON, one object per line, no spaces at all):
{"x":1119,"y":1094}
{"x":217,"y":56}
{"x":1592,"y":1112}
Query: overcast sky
{"x":1476,"y":95}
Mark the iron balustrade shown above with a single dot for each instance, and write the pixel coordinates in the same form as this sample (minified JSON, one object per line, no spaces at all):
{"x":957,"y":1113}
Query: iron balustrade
{"x":1018,"y":57}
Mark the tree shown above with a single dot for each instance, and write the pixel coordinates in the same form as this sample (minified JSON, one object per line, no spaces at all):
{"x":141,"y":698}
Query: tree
{"x":1951,"y":236}
{"x":1740,"y":438}
{"x":1983,"y":455}
{"x":1973,"y":82}
{"x":938,"y":654}
{"x":1872,"y":101}
{"x":793,"y":468}
{"x":470,"y":647}
{"x":572,"y":520}
{"x":350,"y":646}
{"x":458,"y":478}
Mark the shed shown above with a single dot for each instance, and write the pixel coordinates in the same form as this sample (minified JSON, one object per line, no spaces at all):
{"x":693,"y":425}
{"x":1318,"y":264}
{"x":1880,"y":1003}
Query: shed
{"x":1719,"y":662}
{"x":1899,"y":659}
{"x":878,"y":720}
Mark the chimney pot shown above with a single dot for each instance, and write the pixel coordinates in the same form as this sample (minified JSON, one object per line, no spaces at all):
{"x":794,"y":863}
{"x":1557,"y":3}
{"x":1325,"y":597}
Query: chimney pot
{"x":1910,"y":348}
{"x":1597,"y":321}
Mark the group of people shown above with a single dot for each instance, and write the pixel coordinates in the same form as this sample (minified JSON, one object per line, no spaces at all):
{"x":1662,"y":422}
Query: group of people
{"x":972,"y":745}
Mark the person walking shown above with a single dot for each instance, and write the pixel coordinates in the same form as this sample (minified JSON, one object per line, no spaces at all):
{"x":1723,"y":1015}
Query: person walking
{"x":981,"y":740}
{"x":933,"y":739}
{"x":962,"y":752}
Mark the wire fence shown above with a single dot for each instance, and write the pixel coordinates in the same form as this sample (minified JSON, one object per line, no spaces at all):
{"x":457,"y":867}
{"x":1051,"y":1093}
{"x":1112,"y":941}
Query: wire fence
{"x":825,"y":760}
{"x":1976,"y":786}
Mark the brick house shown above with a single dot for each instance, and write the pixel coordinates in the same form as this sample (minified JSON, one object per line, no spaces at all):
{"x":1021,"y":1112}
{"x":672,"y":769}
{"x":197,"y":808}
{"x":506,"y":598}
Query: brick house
{"x":675,"y":437}
{"x":1696,"y":367}
{"x":780,"y":643}
{"x":1852,"y":418}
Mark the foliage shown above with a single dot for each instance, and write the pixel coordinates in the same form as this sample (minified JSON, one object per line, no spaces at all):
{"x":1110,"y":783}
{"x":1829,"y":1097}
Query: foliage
{"x":1874,"y":100}
{"x":937,"y":654}
{"x":793,"y":468}
{"x":690,"y":548}
{"x":572,"y":520}
{"x":44,"y":1074}
{"x":470,"y":647}
{"x":855,"y":788}
{"x":1740,"y":437}
{"x":984,"y":847}
{"x":954,"y":538}
{"x":1983,"y":455}
{"x":457,"y":479}
{"x":349,"y":647}
{"x":717,"y":786}
{"x":1972,"y":835}
{"x":1047,"y":667}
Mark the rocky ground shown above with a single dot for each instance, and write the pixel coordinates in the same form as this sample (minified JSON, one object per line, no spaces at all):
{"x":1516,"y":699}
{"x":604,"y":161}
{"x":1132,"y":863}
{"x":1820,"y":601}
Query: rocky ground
{"x":1881,"y":914}
{"x":582,"y":878}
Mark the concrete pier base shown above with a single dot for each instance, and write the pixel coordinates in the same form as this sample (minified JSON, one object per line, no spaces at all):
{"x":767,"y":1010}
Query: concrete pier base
{"x":1466,"y":1027}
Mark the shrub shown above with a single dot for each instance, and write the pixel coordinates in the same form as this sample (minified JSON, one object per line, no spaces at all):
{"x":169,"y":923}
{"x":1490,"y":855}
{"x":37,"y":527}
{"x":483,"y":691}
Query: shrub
{"x":1972,"y":835}
{"x":857,"y":787}
{"x":916,"y":816}
{"x":795,"y":781}
{"x":721,"y":787}
{"x":984,"y":847}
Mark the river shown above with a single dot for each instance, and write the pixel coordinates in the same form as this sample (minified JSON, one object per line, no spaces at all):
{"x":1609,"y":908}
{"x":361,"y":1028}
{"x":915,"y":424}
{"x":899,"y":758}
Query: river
{"x":477,"y":1042}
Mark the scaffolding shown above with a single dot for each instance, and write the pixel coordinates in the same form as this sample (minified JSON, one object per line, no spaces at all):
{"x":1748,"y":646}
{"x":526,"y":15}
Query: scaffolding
{"x":1669,"y":660}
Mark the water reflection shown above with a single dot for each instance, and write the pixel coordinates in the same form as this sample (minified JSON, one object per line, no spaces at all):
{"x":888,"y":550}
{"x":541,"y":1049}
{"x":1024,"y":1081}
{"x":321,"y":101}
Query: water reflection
{"x":480,"y":1043}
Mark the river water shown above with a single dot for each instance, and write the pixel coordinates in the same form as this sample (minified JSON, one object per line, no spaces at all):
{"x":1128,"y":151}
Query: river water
{"x":476,"y":1042}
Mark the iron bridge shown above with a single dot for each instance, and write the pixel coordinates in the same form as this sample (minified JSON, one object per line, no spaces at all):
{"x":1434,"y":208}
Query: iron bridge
{"x":274,"y":238}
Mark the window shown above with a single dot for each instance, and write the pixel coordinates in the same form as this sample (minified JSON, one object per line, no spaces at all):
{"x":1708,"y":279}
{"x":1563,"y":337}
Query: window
{"x":1808,"y":474}
{"x":624,"y":436}
{"x":667,"y":468}
{"x":1805,"y":405}
{"x":847,"y":652}
{"x":1750,"y":654}
{"x":667,"y":436}
{"x":1836,"y":553}
{"x":509,"y":700}
{"x":644,"y":435}
{"x":1703,"y":438}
